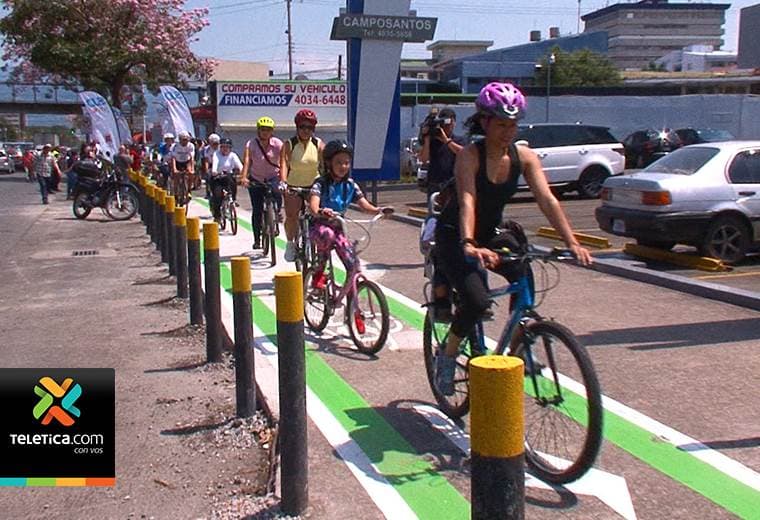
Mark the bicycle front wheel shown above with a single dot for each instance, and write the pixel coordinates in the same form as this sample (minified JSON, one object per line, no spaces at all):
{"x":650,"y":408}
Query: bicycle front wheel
{"x":368,"y":317}
{"x":563,"y":428}
{"x":271,"y":232}
{"x":233,"y":217}
{"x":223,"y":215}
{"x":434,"y":336}
{"x":316,"y":303}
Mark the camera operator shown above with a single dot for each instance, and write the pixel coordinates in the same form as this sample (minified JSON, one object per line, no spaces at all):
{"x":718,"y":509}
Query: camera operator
{"x":440,"y":147}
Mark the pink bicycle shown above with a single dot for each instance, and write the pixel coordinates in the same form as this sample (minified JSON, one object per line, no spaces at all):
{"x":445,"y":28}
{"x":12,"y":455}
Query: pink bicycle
{"x":365,"y":308}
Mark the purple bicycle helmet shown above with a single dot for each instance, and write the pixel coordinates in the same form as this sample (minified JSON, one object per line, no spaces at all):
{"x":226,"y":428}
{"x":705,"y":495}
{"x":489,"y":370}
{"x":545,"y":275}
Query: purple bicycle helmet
{"x":502,"y":100}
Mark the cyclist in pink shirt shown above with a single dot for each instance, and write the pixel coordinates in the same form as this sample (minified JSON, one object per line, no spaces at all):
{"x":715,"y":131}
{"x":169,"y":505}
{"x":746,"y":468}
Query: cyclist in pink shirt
{"x":261,"y":166}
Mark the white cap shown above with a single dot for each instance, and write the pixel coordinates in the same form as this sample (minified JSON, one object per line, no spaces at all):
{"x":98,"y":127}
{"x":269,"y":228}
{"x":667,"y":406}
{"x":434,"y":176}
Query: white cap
{"x":168,"y":135}
{"x":213,"y":138}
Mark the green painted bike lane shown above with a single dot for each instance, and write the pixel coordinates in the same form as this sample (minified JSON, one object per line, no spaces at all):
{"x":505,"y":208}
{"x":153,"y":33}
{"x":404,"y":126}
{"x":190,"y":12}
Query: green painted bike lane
{"x":718,"y":487}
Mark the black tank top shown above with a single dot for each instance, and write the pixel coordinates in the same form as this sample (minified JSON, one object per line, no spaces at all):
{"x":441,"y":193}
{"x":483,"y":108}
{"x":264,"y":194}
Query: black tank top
{"x":490,"y":198}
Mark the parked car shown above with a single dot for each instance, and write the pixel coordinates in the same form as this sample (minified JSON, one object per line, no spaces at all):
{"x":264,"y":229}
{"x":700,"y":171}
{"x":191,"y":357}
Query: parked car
{"x":643,"y":147}
{"x":574,"y":157}
{"x":702,"y":135}
{"x":6,"y":163}
{"x":704,"y":195}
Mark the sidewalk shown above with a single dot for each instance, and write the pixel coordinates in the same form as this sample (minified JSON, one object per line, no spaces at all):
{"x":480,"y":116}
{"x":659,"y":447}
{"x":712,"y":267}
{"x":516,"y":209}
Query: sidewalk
{"x":180,"y":452}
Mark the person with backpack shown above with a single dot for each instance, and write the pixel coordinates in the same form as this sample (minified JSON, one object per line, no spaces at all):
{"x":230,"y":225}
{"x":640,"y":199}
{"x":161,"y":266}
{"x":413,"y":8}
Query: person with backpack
{"x":261,"y":166}
{"x":331,"y":195}
{"x":300,"y":159}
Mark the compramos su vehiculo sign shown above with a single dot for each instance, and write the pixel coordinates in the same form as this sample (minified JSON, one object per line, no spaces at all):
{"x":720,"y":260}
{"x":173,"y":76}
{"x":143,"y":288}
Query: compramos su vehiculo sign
{"x":282,"y":94}
{"x":241,"y":103}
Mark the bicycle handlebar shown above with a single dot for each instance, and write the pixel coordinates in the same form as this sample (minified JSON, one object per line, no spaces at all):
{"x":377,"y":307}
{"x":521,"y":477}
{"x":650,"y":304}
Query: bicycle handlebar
{"x":559,"y":254}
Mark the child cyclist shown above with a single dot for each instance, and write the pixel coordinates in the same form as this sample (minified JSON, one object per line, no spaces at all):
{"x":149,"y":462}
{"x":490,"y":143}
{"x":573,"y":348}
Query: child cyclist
{"x":330,"y":196}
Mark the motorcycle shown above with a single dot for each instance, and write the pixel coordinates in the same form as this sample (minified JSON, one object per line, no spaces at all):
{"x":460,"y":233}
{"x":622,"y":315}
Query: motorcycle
{"x":96,"y":188}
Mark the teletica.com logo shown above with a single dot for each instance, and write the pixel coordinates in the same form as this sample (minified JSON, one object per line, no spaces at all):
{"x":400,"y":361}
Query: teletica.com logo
{"x":68,"y":393}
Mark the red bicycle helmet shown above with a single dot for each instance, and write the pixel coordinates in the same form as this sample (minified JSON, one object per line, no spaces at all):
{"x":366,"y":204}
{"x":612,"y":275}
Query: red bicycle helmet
{"x":306,"y":116}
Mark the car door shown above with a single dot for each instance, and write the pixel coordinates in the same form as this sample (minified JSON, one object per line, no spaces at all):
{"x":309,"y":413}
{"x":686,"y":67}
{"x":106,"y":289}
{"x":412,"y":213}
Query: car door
{"x":744,"y":175}
{"x":542,"y":141}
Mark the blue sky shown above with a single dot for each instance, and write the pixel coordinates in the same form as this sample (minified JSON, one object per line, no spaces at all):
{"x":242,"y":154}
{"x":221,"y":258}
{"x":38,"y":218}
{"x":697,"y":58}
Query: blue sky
{"x":254,"y":30}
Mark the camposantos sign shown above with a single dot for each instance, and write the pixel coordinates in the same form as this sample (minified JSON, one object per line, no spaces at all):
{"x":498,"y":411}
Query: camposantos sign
{"x":242,"y":103}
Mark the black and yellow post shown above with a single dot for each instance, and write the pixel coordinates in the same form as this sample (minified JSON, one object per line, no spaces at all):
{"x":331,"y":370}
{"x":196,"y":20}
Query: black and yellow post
{"x":170,"y":238}
{"x":162,"y":225}
{"x":141,"y":185}
{"x":180,"y":251}
{"x":245,"y":387}
{"x":288,"y":290}
{"x":213,"y":300}
{"x":497,"y":426}
{"x":194,"y":270}
{"x":149,"y":210}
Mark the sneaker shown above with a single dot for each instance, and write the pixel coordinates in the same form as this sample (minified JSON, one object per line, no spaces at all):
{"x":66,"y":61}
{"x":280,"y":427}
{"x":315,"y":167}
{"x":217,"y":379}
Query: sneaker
{"x":319,"y":280}
{"x":257,"y":244}
{"x":290,"y":252}
{"x":445,"y":366}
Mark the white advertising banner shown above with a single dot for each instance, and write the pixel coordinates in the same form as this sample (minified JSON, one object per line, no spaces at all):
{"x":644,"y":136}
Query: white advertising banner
{"x":240,"y":104}
{"x":125,"y":135}
{"x":103,"y":127}
{"x":176,"y":104}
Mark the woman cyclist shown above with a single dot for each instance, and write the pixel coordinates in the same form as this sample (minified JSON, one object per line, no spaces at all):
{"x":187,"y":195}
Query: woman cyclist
{"x":225,"y":167}
{"x":183,"y":159}
{"x":261,"y":165}
{"x":486,"y":176}
{"x":330,"y":196}
{"x":300,"y":158}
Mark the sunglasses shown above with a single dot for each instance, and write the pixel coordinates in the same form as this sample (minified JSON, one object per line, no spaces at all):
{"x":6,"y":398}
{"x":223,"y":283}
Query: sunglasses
{"x":306,"y":127}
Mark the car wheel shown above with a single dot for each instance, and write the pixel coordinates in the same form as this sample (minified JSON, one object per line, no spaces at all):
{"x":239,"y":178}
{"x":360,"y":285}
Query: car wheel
{"x":590,"y":183}
{"x":658,"y":244}
{"x":727,"y":238}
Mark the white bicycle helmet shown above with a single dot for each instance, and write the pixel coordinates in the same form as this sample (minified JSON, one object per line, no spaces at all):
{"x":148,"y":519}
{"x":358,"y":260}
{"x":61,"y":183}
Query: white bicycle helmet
{"x":213,"y":139}
{"x":168,"y":135}
{"x":184,"y":134}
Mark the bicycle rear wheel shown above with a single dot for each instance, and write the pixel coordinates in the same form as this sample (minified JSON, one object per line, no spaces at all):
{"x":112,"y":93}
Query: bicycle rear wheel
{"x":316,"y":303}
{"x":368,"y":317}
{"x":563,"y":431}
{"x":434,"y":336}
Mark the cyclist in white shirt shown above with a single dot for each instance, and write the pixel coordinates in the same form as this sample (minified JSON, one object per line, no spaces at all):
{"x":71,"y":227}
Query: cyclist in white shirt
{"x":225,"y":169}
{"x":207,"y":156}
{"x":182,"y":159}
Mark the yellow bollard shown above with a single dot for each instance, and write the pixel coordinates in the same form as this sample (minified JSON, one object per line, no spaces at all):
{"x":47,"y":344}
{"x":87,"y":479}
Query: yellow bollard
{"x":213,"y":301}
{"x":497,"y":419}
{"x":194,"y":270}
{"x":245,"y":378}
{"x":180,"y":251}
{"x":288,"y":291}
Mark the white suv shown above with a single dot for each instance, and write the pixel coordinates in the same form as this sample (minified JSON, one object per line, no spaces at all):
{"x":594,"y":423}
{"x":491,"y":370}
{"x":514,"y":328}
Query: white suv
{"x":574,"y":157}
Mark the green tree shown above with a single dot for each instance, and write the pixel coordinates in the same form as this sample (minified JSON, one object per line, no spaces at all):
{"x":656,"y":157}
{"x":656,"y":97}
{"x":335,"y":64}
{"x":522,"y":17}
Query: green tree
{"x":582,"y":68}
{"x":103,"y":45}
{"x":8,"y":132}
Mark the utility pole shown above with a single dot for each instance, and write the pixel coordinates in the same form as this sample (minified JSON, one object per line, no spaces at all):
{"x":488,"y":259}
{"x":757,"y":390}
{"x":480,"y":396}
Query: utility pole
{"x":578,"y":29}
{"x":340,"y":66}
{"x":290,"y":43}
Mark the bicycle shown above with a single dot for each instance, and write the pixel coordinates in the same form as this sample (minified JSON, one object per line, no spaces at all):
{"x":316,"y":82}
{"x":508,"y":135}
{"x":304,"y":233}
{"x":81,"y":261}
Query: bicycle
{"x":269,"y":229}
{"x":227,"y":210}
{"x":179,"y":188}
{"x":305,"y":252}
{"x":545,"y":346}
{"x":365,"y":310}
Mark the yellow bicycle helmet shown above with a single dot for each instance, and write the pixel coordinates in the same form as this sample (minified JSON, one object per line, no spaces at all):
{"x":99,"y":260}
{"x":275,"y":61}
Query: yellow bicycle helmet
{"x":266,"y":122}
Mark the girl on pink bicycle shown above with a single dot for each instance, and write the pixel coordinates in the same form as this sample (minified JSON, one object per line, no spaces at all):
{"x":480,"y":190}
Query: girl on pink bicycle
{"x":331,"y":195}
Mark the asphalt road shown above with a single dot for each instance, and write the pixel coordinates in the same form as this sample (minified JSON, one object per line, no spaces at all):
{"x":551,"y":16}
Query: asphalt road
{"x":679,"y":373}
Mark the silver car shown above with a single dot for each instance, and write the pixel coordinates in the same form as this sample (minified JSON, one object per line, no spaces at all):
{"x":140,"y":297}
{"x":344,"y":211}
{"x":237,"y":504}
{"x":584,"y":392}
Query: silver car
{"x":704,"y":195}
{"x":6,"y":163}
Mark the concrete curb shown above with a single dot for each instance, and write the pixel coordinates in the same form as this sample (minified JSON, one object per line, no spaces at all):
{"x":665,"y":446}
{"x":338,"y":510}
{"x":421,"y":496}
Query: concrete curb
{"x":622,"y":268}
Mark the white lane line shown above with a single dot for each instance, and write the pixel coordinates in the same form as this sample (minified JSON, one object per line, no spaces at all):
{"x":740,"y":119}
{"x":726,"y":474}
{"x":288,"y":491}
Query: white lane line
{"x":380,"y":491}
{"x":608,"y":488}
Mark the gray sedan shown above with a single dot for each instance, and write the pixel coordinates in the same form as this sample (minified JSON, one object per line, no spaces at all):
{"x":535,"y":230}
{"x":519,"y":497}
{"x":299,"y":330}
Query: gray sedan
{"x":705,"y":195}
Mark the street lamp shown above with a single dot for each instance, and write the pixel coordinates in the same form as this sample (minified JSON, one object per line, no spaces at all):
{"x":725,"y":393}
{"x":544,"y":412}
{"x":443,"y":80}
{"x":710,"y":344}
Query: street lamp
{"x":549,"y":62}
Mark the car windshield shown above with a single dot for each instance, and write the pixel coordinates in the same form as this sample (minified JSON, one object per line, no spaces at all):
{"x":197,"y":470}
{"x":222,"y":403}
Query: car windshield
{"x":710,"y":135}
{"x":684,"y":161}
